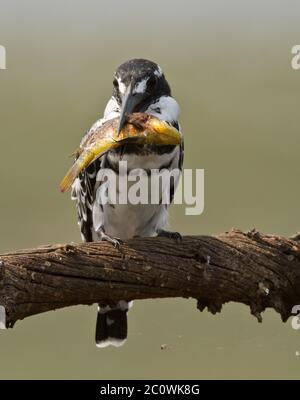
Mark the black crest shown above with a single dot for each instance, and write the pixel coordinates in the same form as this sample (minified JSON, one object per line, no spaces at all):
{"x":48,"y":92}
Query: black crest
{"x":143,"y":74}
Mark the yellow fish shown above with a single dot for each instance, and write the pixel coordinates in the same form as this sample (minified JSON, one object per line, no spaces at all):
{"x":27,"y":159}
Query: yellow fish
{"x":140,"y":129}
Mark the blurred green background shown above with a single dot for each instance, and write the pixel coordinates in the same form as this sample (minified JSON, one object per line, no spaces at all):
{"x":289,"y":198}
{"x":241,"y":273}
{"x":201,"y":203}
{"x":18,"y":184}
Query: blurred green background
{"x":229,"y":66}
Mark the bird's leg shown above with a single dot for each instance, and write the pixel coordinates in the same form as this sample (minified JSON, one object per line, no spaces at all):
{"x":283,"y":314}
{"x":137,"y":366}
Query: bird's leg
{"x":171,"y":235}
{"x":116,"y":242}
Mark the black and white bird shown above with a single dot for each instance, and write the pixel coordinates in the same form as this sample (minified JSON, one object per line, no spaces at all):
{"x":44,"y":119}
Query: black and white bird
{"x":138,"y":86}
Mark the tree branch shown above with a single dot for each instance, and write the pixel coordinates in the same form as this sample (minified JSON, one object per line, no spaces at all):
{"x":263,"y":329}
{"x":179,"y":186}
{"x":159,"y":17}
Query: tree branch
{"x":250,"y":268}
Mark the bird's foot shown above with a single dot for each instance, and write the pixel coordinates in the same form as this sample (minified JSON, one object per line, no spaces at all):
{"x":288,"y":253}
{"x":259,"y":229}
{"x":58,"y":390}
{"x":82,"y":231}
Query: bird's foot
{"x":116,"y":242}
{"x":171,"y":235}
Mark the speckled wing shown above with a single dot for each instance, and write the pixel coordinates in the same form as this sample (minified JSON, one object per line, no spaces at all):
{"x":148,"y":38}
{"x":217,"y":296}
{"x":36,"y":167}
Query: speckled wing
{"x":83,"y":192}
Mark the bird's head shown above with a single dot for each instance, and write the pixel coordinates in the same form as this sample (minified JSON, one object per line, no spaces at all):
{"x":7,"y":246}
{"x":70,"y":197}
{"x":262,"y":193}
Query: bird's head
{"x":138,"y":83}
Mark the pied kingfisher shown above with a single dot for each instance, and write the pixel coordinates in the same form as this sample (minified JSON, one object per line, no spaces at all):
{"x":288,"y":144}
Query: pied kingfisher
{"x":138,"y":86}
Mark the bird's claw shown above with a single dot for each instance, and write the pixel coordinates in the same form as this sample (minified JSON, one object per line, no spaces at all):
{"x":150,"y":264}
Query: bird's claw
{"x":116,"y":242}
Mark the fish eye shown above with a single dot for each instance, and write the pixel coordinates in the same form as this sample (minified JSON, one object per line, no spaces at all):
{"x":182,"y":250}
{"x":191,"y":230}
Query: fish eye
{"x":115,"y":83}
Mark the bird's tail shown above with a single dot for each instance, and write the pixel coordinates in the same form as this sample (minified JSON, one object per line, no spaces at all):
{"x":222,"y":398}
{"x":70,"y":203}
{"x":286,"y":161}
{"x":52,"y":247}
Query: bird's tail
{"x":111,"y":327}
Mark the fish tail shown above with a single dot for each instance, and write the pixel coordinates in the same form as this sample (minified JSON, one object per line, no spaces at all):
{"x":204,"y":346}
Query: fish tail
{"x":70,"y":177}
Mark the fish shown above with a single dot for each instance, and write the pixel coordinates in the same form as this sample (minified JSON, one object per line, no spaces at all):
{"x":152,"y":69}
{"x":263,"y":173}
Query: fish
{"x":140,"y":128}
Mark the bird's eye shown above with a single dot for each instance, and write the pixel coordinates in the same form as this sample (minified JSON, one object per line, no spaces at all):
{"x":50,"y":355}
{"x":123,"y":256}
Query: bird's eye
{"x":151,"y":83}
{"x":115,"y":83}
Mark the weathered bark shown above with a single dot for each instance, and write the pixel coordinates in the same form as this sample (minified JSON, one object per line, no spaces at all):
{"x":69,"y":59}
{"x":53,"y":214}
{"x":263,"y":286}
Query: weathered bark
{"x":258,"y":270}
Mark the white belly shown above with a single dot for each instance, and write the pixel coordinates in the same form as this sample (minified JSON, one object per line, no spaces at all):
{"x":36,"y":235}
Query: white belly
{"x":125,"y":221}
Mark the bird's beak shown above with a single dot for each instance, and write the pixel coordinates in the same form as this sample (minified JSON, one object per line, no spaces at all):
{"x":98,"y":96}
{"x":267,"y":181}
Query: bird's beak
{"x":129,"y":102}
